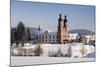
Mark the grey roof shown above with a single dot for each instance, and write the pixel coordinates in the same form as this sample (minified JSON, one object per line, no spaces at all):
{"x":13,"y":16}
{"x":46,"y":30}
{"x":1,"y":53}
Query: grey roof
{"x":43,"y":32}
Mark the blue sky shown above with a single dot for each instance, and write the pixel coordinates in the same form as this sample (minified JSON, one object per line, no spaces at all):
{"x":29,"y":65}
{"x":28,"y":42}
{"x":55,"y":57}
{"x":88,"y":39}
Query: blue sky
{"x":45,"y":15}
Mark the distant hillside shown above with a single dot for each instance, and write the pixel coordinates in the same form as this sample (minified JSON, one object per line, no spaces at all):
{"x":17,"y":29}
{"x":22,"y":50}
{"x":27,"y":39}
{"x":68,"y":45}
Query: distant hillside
{"x":79,"y":31}
{"x":82,"y":31}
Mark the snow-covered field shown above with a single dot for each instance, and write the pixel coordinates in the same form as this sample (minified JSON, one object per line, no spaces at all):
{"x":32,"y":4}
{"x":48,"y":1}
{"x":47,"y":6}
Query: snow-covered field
{"x":19,"y":60}
{"x":79,"y":49}
{"x":79,"y":53}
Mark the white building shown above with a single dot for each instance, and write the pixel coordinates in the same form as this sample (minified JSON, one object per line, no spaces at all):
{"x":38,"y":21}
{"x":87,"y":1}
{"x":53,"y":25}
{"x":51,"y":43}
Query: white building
{"x":47,"y":37}
{"x":88,"y":38}
{"x":51,"y":37}
{"x":73,"y":36}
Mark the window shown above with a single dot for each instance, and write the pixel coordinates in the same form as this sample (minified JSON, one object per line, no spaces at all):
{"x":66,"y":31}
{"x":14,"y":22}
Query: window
{"x":53,"y":37}
{"x":46,"y":37}
{"x":46,"y":40}
{"x":53,"y":40}
{"x":50,"y":37}
{"x":50,"y":40}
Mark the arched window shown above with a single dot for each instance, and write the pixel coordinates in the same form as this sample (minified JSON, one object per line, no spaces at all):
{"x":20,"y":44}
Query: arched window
{"x":50,"y":37}
{"x":53,"y":36}
{"x":46,"y":36}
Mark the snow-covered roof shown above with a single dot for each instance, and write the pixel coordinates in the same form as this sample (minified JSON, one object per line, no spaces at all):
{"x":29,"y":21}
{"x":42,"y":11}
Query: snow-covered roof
{"x":43,"y":32}
{"x":74,"y":34}
{"x":51,"y":32}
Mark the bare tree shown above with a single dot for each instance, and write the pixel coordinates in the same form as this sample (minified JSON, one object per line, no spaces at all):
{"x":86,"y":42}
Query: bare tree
{"x":69,"y":51}
{"x":38,"y":50}
{"x":83,"y":50}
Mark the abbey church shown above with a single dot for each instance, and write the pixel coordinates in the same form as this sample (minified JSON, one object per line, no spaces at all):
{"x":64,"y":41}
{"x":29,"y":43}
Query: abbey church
{"x":61,"y":36}
{"x":62,"y":29}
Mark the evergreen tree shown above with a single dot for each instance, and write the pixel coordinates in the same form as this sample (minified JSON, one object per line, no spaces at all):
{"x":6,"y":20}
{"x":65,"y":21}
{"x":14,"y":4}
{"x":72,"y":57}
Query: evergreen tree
{"x":21,"y":33}
{"x":13,"y":36}
{"x":28,"y":35}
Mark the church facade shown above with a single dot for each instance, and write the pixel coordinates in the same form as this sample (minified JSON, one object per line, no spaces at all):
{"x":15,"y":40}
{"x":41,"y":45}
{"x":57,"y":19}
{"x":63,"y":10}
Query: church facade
{"x":62,"y":29}
{"x":61,"y":36}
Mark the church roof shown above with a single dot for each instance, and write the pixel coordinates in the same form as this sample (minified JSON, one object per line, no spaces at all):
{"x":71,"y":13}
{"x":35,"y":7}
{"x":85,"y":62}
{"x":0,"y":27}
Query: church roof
{"x":43,"y":32}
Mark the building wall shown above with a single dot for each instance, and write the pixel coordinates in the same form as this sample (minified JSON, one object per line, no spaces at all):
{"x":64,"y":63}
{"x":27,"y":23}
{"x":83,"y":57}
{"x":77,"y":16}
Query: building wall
{"x":46,"y":37}
{"x":62,"y":29}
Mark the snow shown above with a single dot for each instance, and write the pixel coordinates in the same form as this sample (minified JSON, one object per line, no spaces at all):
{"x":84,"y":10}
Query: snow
{"x":47,"y":48}
{"x":16,"y":61}
{"x":76,"y":54}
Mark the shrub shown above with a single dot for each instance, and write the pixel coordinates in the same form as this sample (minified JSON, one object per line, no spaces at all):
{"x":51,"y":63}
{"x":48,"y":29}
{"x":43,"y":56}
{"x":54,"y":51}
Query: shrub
{"x":38,"y":51}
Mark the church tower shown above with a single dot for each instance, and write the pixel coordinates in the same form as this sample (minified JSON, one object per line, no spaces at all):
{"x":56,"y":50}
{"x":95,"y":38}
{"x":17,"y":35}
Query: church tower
{"x":66,"y":33}
{"x":62,"y":33}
